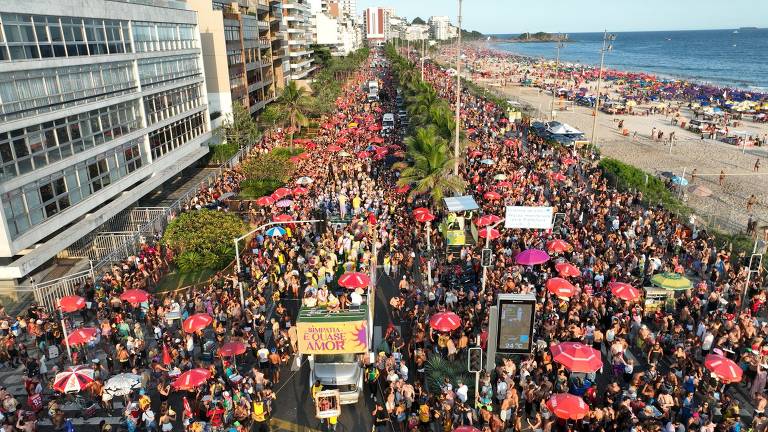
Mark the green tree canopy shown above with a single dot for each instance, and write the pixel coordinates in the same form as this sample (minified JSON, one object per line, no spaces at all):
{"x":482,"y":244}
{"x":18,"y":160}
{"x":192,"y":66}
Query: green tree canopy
{"x":418,"y":20}
{"x":203,"y":239}
{"x":239,"y":128}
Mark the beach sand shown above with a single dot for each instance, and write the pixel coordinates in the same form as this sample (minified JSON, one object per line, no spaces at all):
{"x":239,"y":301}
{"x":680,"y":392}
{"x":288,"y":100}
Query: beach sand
{"x":725,"y":208}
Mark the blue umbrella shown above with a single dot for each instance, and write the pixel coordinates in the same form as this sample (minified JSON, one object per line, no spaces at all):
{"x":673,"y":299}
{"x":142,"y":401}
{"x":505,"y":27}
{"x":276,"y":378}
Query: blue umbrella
{"x":487,"y":162}
{"x":276,"y":232}
{"x":680,"y":181}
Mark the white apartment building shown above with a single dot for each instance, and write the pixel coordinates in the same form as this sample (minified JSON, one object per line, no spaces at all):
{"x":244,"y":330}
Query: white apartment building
{"x":101,"y":101}
{"x":416,"y":32}
{"x":333,"y":27}
{"x":440,"y":27}
{"x":296,"y":17}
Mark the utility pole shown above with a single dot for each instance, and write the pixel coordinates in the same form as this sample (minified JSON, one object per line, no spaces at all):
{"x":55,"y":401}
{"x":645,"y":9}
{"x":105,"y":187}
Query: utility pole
{"x":607,"y":46}
{"x":458,"y":99}
{"x":557,"y":68}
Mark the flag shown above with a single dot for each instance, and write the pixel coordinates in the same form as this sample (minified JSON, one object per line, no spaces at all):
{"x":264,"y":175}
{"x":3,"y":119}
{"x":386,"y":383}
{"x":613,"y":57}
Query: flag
{"x":166,"y":355}
{"x":187,"y":408}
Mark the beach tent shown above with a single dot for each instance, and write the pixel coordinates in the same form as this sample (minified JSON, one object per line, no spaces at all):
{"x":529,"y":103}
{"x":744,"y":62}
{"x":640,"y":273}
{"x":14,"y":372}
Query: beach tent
{"x":557,"y":128}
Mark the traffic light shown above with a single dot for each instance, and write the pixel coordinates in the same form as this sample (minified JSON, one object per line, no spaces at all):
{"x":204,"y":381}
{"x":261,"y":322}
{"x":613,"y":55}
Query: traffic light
{"x":486,"y":257}
{"x":475,"y":360}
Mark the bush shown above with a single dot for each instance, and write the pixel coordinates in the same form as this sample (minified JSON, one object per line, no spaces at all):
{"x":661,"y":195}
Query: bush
{"x":270,"y":166}
{"x":654,"y":190}
{"x":253,"y":189}
{"x":203,"y":239}
{"x":221,"y":153}
{"x":439,"y":368}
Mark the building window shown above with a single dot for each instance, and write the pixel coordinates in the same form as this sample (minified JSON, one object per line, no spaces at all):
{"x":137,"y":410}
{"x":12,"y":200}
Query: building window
{"x":231,"y":33}
{"x":40,"y":200}
{"x":160,"y":106}
{"x":174,"y":135}
{"x":154,"y":72}
{"x":163,"y":36}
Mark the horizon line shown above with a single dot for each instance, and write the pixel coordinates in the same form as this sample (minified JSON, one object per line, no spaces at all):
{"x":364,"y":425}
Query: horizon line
{"x":631,"y":31}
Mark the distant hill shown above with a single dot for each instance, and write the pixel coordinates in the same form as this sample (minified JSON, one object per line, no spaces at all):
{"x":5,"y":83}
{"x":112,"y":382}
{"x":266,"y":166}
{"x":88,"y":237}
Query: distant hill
{"x":540,"y":37}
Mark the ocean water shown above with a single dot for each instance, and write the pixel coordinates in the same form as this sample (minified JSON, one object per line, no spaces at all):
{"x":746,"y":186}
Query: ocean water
{"x":720,"y":57}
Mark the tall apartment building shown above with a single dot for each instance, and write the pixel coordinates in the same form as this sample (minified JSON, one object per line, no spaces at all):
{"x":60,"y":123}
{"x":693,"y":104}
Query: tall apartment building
{"x":239,"y":61}
{"x":333,"y":27}
{"x":376,"y":25}
{"x":439,"y":27}
{"x":297,"y":16}
{"x":101,"y":101}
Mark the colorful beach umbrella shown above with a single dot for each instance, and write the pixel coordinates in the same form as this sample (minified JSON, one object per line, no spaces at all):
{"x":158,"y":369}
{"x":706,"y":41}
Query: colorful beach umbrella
{"x":466,"y":429}
{"x":532,"y":257}
{"x":196,"y":322}
{"x":567,"y":406}
{"x":445,"y":321}
{"x":73,"y":379}
{"x":577,"y":357}
{"x":284,"y":203}
{"x":671,"y":281}
{"x":304,"y":180}
{"x":275,"y":231}
{"x":353,"y":280}
{"x":725,"y":369}
{"x":71,"y":303}
{"x":122,"y":384}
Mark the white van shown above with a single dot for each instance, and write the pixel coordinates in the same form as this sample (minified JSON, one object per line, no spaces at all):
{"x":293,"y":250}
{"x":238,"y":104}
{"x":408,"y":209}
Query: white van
{"x":388,"y":122}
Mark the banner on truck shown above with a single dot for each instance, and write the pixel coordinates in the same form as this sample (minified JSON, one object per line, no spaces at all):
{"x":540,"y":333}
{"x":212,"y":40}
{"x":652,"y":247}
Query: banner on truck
{"x":528,"y":217}
{"x":349,"y":337}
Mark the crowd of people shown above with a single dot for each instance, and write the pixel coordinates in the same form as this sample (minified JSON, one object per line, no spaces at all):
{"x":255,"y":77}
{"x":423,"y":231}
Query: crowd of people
{"x":654,"y":376}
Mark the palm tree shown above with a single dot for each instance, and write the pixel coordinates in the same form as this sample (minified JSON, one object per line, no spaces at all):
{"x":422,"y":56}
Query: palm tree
{"x":430,"y":167}
{"x":294,"y":101}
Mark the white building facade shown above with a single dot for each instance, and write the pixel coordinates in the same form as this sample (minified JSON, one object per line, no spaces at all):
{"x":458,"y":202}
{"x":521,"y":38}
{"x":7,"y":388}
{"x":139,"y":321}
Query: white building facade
{"x":440,"y":27}
{"x":101,"y":101}
{"x":416,"y":32}
{"x":297,"y":19}
{"x":334,"y":27}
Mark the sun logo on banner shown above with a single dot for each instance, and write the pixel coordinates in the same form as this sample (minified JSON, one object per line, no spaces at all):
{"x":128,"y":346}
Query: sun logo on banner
{"x":362,"y":335}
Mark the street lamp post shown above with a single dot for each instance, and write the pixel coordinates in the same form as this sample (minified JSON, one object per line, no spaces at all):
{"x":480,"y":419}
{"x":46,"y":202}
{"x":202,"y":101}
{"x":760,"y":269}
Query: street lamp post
{"x":259,"y":228}
{"x":557,"y":68}
{"x":423,"y":54}
{"x":429,"y":253}
{"x":607,"y":46}
{"x":458,"y":99}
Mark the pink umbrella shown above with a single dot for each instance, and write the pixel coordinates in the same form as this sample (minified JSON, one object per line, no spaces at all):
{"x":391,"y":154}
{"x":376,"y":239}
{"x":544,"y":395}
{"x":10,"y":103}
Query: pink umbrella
{"x":532,"y":257}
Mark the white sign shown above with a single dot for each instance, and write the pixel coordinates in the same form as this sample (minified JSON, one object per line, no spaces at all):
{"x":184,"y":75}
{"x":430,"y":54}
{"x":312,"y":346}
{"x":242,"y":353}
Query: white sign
{"x":528,"y":217}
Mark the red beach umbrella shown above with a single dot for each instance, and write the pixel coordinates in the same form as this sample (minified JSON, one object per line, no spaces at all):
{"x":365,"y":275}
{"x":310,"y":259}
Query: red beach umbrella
{"x":445,"y":321}
{"x":483,"y":233}
{"x":334,"y":148}
{"x":282,"y":217}
{"x":71,"y":303}
{"x":191,"y":379}
{"x":424,"y":217}
{"x":475,"y":153}
{"x":82,"y":336}
{"x":558,"y":246}
{"x":353,"y":280}
{"x":363,"y":155}
{"x":503,"y":184}
{"x":577,"y":357}
{"x":491,"y":195}
{"x":558,"y":177}
{"x":282,"y":192}
{"x":466,"y":429}
{"x":561,"y":287}
{"x":566,"y":269}
{"x":230,"y":349}
{"x":624,"y":291}
{"x":725,"y":369}
{"x":403,"y":189}
{"x":299,"y":191}
{"x":420,"y":210}
{"x":265,"y":201}
{"x":567,"y":406}
{"x":196,"y":322}
{"x":487,"y":220}
{"x":134,"y":296}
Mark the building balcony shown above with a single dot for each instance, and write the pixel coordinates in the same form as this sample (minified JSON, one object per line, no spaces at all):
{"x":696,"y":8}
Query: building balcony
{"x":263,"y":5}
{"x":299,"y":53}
{"x":301,"y":64}
{"x":263,"y":25}
{"x":297,"y":75}
{"x":264,"y":43}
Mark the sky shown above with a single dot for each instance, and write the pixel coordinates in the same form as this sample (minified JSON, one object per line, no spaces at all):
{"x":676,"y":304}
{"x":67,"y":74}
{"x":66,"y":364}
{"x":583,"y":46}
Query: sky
{"x":572,"y":16}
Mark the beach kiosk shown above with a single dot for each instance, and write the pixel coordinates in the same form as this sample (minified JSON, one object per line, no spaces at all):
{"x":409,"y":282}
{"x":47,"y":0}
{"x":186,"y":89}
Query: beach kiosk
{"x":458,"y":228}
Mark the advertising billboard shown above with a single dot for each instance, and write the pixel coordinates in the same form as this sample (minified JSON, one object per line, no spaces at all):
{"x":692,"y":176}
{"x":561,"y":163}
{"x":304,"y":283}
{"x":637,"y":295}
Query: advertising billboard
{"x":328,"y":337}
{"x":516,"y":314}
{"x":528,"y":217}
